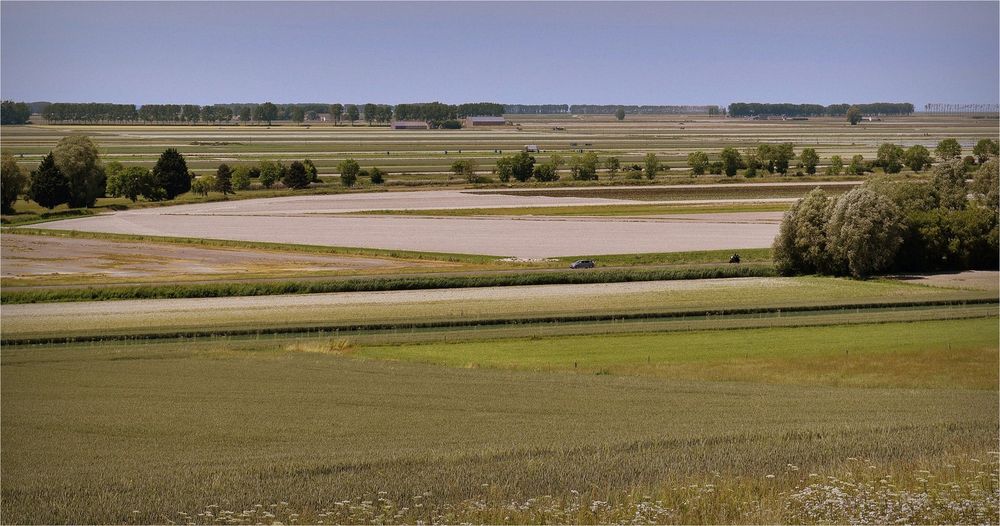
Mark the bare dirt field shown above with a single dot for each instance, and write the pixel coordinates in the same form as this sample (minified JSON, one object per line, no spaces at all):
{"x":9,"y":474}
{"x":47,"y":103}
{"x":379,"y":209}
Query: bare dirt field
{"x":25,"y":257}
{"x":303,"y":220}
{"x":970,"y":279}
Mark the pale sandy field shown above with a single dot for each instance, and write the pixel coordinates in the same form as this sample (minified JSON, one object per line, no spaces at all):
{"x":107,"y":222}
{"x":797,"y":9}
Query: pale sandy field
{"x":313,"y":220}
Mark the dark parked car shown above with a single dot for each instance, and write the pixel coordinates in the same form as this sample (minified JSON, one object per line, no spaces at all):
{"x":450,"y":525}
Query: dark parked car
{"x":583,"y":263}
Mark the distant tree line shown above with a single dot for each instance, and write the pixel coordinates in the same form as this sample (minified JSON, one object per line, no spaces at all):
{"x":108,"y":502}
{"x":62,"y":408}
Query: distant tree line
{"x":535,"y":109}
{"x":610,"y":109}
{"x":522,"y":167}
{"x":14,"y":112}
{"x":749,"y":109}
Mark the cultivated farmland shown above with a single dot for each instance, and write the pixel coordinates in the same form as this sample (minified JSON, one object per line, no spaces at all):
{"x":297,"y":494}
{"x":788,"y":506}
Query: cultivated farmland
{"x":420,"y":352}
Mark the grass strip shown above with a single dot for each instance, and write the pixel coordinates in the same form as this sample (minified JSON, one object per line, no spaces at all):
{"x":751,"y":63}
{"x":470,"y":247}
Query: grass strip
{"x":528,"y":320}
{"x":216,"y":290}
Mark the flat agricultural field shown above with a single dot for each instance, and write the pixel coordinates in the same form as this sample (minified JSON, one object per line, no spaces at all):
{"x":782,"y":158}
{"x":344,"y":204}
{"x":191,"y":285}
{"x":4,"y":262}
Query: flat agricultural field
{"x":314,"y":430}
{"x":422,"y":157}
{"x":638,"y":392}
{"x":320,"y":220}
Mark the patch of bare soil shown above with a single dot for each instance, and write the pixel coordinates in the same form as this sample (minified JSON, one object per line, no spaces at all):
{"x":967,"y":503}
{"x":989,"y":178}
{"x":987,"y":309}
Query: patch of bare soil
{"x":969,"y":279}
{"x":33,"y":256}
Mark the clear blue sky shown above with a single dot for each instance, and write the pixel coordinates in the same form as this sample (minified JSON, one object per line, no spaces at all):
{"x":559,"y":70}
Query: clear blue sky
{"x":555,"y":52}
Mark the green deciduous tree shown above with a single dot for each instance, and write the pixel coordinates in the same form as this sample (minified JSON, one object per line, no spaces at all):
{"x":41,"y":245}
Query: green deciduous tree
{"x":545,"y":172}
{"x":948,"y":149}
{"x":984,"y":149}
{"x":698,"y":161}
{"x":132,"y":182}
{"x":651,"y":166}
{"x":311,"y":170}
{"x":858,"y":165}
{"x":620,"y":113}
{"x":268,"y":112}
{"x":12,"y":182}
{"x":519,"y":166}
{"x":377,"y":175}
{"x":612,"y":165}
{"x":890,"y":157}
{"x":854,"y":115}
{"x":864,"y":232}
{"x":809,"y":160}
{"x":836,"y":165}
{"x":337,"y":112}
{"x":78,"y":159}
{"x":352,"y":113}
{"x":171,"y":174}
{"x":296,"y":176}
{"x":584,"y":167}
{"x":917,"y":157}
{"x":49,"y":187}
{"x":466,"y":169}
{"x":270,"y":173}
{"x":949,"y":184}
{"x":298,"y":114}
{"x":985,"y":184}
{"x":781,"y":155}
{"x":801,"y":245}
{"x":241,"y":177}
{"x":203,"y":185}
{"x":349,"y":170}
{"x":732,"y":161}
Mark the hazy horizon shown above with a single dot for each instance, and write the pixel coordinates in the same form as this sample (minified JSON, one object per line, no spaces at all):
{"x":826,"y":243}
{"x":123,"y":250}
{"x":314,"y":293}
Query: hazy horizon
{"x":656,"y":53}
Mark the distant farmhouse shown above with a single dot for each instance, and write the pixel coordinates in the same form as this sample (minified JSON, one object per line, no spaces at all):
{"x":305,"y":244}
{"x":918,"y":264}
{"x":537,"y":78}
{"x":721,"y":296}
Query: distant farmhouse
{"x":324,"y":117}
{"x":410,"y":125}
{"x":474,"y":122}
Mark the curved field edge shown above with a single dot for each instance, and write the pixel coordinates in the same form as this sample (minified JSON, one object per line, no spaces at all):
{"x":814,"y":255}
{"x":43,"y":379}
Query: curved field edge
{"x":910,"y":354}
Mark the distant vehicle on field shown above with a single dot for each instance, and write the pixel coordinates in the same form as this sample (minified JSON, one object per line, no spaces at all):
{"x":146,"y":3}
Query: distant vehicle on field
{"x":583,"y":263}
{"x":735,"y":258}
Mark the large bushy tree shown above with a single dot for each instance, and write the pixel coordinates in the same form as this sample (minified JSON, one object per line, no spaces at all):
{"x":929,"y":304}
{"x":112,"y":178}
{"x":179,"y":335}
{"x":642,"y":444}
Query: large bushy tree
{"x":853,"y":115}
{"x":132,"y":182}
{"x":79,"y":161}
{"x":801,"y":245}
{"x":698,"y":161}
{"x":890,"y":157}
{"x":917,"y":157}
{"x":349,"y":170}
{"x":809,"y":159}
{"x":948,"y":149}
{"x":949,"y":184}
{"x":171,"y":174}
{"x":984,"y":149}
{"x":297,"y":176}
{"x":864,"y":233}
{"x":519,"y":166}
{"x":584,"y":167}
